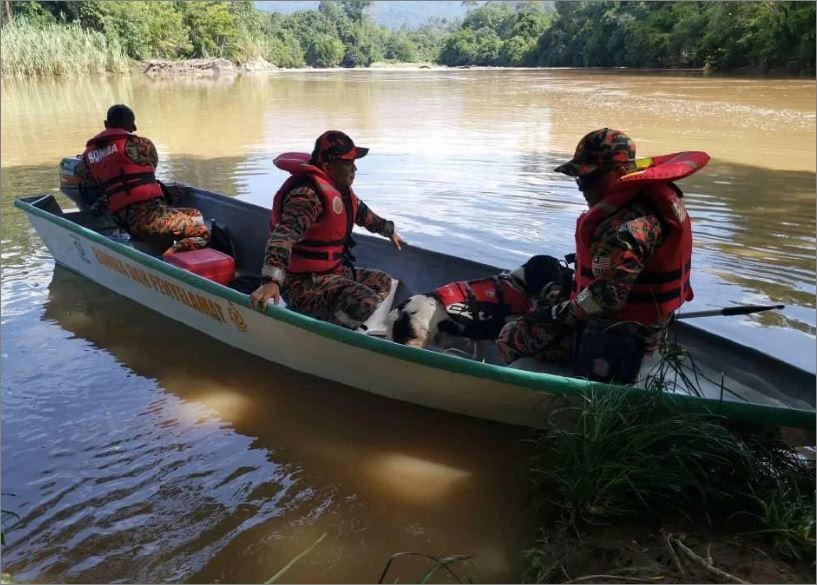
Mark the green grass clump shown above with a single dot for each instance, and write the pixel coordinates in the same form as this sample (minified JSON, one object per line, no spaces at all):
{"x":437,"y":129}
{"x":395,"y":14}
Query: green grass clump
{"x":57,"y":49}
{"x":440,"y":565}
{"x":639,"y":457}
{"x":784,"y":512}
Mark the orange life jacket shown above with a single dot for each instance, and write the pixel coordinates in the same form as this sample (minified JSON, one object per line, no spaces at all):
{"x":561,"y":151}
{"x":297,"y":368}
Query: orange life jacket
{"x":123,"y":181}
{"x":326,"y":243}
{"x":663,"y":284}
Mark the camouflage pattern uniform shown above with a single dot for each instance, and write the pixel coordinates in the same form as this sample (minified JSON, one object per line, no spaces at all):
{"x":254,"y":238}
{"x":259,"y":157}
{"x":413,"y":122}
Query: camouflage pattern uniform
{"x":153,"y":218}
{"x":621,"y":245}
{"x":345,"y":298}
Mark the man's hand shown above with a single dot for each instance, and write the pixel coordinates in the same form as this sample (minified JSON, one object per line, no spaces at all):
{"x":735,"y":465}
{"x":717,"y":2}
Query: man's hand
{"x":269,"y":290}
{"x":557,"y":313}
{"x":397,"y":240}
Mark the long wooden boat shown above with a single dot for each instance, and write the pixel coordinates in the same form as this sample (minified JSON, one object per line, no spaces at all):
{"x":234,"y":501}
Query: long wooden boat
{"x":738,"y":382}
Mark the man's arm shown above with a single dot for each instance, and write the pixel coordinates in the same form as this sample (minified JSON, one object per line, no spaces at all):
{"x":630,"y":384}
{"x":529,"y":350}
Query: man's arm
{"x":619,"y":257}
{"x":302,"y":207}
{"x":366,"y":218}
{"x":622,"y":245}
{"x":141,"y":151}
{"x":83,"y":172}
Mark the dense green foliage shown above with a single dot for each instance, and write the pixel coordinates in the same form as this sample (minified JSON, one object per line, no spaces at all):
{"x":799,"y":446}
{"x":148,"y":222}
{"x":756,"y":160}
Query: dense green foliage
{"x":336,"y":34}
{"x":497,"y":34}
{"x":718,"y":35}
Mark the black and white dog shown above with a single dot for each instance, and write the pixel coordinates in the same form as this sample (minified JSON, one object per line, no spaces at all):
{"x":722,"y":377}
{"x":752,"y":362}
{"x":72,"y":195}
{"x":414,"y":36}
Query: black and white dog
{"x":476,"y":309}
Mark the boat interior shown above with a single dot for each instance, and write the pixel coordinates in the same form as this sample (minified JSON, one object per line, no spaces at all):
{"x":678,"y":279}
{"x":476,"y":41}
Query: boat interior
{"x":717,"y":367}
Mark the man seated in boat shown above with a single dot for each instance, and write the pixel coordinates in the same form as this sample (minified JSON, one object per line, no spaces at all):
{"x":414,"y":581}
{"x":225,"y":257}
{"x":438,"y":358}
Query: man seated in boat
{"x":123,"y":166}
{"x":308,"y":259}
{"x":633,"y":260}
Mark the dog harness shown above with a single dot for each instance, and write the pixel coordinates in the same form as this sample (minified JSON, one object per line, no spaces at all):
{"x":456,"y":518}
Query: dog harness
{"x":481,"y":306}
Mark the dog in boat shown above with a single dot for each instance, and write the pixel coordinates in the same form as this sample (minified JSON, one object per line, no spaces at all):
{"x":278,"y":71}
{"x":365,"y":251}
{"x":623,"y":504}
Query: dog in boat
{"x":476,"y":309}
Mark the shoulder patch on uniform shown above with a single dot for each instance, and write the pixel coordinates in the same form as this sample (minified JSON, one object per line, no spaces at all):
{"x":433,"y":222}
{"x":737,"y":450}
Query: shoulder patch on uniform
{"x":337,"y":205}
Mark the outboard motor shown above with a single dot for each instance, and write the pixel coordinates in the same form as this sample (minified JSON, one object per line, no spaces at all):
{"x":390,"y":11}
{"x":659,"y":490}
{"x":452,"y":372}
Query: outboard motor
{"x":85,"y":197}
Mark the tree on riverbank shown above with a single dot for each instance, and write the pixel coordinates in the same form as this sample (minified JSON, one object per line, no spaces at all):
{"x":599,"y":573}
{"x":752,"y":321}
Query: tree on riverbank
{"x":719,"y":35}
{"x":725,"y":36}
{"x":496,"y":34}
{"x":336,"y":34}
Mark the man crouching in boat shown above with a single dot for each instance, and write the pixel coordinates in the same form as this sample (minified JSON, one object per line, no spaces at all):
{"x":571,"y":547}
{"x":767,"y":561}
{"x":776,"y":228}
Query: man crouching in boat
{"x":123,"y":166}
{"x":308,"y":258}
{"x":633,"y":260}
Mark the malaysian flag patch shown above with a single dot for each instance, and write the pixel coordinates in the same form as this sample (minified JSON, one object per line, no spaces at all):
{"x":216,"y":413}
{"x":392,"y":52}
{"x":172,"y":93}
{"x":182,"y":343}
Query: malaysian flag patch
{"x":601,"y":263}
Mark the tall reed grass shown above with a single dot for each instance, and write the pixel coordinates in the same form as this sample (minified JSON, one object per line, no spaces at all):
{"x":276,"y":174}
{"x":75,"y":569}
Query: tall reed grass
{"x":57,"y":49}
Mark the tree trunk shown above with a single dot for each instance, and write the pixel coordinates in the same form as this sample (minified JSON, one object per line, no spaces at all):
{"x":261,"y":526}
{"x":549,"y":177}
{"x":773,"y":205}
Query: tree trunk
{"x":7,"y":9}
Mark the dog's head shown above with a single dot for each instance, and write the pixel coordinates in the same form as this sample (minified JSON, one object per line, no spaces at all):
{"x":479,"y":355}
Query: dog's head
{"x":415,"y":321}
{"x":539,"y":272}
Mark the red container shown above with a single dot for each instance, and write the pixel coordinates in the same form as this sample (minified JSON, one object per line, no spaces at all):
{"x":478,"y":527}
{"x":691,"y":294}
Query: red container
{"x":206,"y":262}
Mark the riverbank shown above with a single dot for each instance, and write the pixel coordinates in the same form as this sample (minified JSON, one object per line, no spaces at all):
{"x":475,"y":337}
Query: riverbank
{"x":644,"y":553}
{"x":216,"y":66}
{"x":636,"y":491}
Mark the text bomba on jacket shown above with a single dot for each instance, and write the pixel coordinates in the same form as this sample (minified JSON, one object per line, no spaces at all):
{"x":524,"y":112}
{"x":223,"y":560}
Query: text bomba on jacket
{"x":97,"y":155}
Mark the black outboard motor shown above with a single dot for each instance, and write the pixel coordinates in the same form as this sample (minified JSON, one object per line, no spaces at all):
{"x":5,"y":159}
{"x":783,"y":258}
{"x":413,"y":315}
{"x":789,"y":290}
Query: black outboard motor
{"x":86,"y":198}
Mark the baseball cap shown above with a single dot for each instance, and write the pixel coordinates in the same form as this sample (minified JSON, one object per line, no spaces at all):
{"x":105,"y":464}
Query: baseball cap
{"x":334,"y":144}
{"x":599,"y":148}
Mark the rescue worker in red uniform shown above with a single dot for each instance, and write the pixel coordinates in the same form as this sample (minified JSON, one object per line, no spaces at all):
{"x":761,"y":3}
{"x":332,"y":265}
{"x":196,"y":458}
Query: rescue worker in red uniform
{"x":633,"y":261}
{"x":308,"y":259}
{"x":123,"y":166}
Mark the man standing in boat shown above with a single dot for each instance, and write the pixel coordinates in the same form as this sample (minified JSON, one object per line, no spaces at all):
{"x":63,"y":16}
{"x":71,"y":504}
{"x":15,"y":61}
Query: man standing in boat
{"x":308,"y":257}
{"x":123,"y":165}
{"x":633,"y":261}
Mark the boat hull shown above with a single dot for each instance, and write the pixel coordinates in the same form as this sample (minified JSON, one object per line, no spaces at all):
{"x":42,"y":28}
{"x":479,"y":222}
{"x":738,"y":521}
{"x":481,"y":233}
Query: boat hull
{"x":305,"y":344}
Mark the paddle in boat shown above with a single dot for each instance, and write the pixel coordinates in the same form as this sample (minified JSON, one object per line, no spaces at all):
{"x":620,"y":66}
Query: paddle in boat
{"x":733,"y":380}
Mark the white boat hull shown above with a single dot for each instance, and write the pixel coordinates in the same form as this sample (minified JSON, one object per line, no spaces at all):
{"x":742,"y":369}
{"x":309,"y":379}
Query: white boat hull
{"x":170,"y":293}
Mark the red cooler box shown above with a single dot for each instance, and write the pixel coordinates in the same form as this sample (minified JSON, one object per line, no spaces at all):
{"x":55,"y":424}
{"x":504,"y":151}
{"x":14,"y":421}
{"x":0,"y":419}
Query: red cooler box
{"x":206,"y":262}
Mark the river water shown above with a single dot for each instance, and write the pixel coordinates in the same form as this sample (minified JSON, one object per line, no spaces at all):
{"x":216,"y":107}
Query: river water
{"x":135,"y":450}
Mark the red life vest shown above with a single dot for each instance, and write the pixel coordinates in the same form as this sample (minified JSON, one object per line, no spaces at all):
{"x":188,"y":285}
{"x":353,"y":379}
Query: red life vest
{"x":326,"y":242}
{"x":123,"y":181}
{"x":663,"y":284}
{"x":480,"y":307}
{"x":491,"y":290}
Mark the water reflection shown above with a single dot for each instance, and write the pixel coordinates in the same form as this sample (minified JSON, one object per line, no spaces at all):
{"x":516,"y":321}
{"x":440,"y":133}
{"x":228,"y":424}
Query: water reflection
{"x":53,"y":117}
{"x":463,"y":159}
{"x":213,"y":464}
{"x":227,"y":175}
{"x":758,"y":233}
